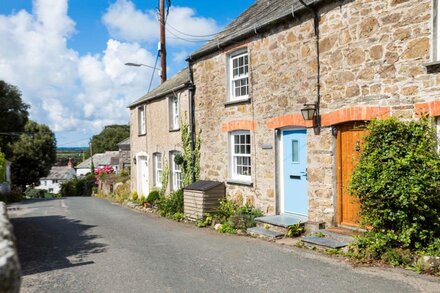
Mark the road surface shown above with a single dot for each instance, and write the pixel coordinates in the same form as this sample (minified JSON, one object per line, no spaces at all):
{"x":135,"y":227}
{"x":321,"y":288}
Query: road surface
{"x":91,"y":245}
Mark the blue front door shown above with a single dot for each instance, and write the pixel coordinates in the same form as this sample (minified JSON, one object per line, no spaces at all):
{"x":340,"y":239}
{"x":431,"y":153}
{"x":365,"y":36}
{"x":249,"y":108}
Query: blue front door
{"x":295,"y":171}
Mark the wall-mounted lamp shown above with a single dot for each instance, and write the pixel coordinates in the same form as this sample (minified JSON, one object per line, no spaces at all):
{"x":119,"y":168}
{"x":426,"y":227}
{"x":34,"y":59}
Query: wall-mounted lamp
{"x":309,"y":111}
{"x":134,"y":160}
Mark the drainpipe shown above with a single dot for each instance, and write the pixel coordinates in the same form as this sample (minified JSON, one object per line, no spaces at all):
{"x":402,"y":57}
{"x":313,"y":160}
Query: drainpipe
{"x":192,"y":123}
{"x":317,"y":127}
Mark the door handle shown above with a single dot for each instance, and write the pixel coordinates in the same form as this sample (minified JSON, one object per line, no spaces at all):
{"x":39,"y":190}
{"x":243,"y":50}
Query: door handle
{"x":295,"y":177}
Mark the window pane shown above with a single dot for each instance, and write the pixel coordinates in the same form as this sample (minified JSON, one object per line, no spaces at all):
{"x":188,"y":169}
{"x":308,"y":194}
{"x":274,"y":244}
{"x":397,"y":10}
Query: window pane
{"x":236,"y":139}
{"x":248,"y":138}
{"x":295,"y":151}
{"x":242,"y":139}
{"x":248,"y":149}
{"x":236,"y":149}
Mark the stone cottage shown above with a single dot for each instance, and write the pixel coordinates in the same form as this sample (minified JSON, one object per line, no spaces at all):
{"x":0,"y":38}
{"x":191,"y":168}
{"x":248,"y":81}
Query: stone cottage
{"x":155,"y":134}
{"x":346,"y":62}
{"x":124,"y":154}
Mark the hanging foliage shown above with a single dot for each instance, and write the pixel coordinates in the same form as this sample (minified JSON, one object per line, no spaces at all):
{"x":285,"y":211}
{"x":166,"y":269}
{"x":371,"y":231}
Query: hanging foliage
{"x":187,"y":163}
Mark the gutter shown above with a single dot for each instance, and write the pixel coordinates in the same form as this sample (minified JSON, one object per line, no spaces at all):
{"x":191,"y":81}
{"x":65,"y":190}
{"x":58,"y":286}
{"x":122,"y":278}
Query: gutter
{"x":160,"y":95}
{"x":316,"y":18}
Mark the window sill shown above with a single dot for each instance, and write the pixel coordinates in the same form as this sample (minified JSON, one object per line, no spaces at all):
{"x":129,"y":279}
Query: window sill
{"x":239,"y":182}
{"x":174,"y":130}
{"x":235,"y":102}
{"x":432,"y":67}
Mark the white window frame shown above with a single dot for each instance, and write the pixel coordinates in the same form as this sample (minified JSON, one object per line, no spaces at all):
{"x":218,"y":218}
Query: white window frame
{"x":158,"y":169}
{"x":233,"y":79}
{"x":174,"y":113}
{"x":176,"y":172}
{"x":235,"y":175}
{"x":141,"y":120}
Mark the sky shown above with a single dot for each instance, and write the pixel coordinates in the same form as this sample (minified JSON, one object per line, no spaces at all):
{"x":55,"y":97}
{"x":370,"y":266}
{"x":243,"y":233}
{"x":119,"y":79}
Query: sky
{"x":67,"y":56}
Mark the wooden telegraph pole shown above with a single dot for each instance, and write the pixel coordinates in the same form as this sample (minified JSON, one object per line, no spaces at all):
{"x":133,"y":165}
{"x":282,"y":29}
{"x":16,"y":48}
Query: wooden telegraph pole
{"x":163,"y":52}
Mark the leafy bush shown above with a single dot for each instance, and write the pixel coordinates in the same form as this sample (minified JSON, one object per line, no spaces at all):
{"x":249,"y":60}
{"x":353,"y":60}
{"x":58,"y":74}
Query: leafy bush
{"x":82,"y":186}
{"x":34,"y":193}
{"x":236,"y":216}
{"x":226,"y":209}
{"x":397,"y":181}
{"x":153,"y":196}
{"x":15,"y":195}
{"x":295,"y":230}
{"x":121,"y":192}
{"x":172,"y":204}
{"x":134,"y":196}
{"x":206,"y":221}
{"x":142,"y":200}
{"x":227,"y":228}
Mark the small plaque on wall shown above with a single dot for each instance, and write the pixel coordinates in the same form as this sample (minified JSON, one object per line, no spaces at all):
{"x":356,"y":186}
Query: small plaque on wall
{"x":266,"y":146}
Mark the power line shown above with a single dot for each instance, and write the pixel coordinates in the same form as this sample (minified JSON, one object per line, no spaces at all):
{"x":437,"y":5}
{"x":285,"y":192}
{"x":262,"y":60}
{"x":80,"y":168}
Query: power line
{"x":154,"y":69}
{"x":190,"y":35}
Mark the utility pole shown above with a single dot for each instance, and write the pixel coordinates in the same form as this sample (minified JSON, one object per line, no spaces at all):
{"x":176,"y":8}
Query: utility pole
{"x":163,"y":51}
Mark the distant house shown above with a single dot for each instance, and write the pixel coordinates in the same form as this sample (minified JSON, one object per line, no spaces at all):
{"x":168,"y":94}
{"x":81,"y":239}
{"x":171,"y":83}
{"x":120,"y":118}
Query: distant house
{"x":155,"y":138}
{"x":110,"y":158}
{"x":124,"y":154}
{"x":57,"y":175}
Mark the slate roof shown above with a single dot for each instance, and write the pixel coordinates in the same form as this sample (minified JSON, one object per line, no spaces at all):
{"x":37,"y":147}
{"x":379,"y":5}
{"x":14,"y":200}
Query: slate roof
{"x":100,"y":160}
{"x":60,"y":173}
{"x":125,"y":142}
{"x":180,"y":79}
{"x":256,"y":18}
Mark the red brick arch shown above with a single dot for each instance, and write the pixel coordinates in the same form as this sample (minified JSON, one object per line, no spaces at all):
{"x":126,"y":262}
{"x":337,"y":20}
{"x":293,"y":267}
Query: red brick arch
{"x":239,"y":125}
{"x":288,"y":120}
{"x":431,"y":108}
{"x":354,"y":114}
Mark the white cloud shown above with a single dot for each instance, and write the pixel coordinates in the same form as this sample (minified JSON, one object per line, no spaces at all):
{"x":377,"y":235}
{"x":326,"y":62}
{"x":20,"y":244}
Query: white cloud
{"x":75,"y":95}
{"x":127,"y":23}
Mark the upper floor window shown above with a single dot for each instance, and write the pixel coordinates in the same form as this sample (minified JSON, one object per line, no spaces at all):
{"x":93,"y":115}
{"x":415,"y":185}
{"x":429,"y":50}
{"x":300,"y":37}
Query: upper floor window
{"x":239,"y":76}
{"x":141,"y":120}
{"x":176,"y":172}
{"x":174,"y":113}
{"x":240,"y":154}
{"x":157,"y":169}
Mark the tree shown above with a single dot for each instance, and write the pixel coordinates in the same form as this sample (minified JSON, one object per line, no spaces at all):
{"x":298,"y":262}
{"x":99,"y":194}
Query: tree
{"x":2,"y":167}
{"x":33,"y":154}
{"x":109,"y":138}
{"x":13,"y":116}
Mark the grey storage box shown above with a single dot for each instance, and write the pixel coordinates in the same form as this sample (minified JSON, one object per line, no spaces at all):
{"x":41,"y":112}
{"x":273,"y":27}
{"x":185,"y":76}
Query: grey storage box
{"x":202,"y":197}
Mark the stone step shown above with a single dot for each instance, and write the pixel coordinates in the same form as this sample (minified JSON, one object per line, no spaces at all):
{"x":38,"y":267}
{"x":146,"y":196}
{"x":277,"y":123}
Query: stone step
{"x":337,"y":236}
{"x":323,"y":242}
{"x":279,"y":223}
{"x":264,"y":233}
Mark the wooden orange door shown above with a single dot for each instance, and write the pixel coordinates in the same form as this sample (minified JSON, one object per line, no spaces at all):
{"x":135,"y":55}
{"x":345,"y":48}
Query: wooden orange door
{"x":349,"y":143}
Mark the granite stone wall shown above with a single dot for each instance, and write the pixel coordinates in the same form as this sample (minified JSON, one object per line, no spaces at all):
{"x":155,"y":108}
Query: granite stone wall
{"x":10,"y":271}
{"x":372,"y":57}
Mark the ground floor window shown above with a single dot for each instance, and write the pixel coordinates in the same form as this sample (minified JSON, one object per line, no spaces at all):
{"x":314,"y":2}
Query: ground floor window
{"x":176,"y":172}
{"x":157,"y":169}
{"x":240,"y":155}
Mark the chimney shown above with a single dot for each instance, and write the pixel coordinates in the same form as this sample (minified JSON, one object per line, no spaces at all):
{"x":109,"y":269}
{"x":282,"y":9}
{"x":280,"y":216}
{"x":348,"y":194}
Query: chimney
{"x":69,"y":163}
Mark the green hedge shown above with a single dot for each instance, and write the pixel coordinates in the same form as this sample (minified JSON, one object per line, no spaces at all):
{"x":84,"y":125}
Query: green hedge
{"x":397,"y":181}
{"x":82,"y":186}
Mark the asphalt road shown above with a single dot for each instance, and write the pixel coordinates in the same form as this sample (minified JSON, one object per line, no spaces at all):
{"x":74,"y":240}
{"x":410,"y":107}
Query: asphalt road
{"x":92,"y":245}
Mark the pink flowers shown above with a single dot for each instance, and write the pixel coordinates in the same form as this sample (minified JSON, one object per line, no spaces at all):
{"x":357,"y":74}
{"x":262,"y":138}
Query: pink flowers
{"x":104,"y":170}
